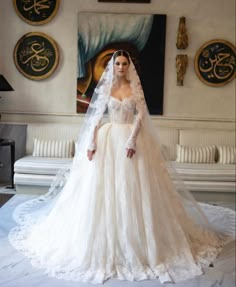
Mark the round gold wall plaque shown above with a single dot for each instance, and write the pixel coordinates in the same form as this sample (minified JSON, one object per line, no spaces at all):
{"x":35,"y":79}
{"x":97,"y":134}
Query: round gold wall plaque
{"x":36,"y":12}
{"x":215,"y":63}
{"x":36,"y":55}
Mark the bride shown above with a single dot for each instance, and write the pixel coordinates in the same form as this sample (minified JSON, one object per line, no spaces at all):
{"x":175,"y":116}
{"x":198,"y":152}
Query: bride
{"x":119,"y":215}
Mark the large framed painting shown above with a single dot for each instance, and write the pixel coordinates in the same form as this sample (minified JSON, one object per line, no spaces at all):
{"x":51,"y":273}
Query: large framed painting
{"x":142,"y":35}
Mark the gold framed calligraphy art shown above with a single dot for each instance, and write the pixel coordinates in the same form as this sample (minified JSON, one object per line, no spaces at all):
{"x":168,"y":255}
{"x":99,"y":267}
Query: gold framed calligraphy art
{"x":215,"y":62}
{"x":36,"y":12}
{"x":36,"y":55}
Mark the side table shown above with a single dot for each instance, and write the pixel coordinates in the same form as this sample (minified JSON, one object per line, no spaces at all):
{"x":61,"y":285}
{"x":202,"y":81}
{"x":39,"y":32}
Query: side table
{"x":11,"y":143}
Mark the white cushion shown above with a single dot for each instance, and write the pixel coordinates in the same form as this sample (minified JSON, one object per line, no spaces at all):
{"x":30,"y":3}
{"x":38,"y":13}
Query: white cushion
{"x":48,"y":131}
{"x":33,"y":179}
{"x":205,"y":171}
{"x":41,"y":165}
{"x":53,"y":148}
{"x":227,"y":154}
{"x":190,"y":154}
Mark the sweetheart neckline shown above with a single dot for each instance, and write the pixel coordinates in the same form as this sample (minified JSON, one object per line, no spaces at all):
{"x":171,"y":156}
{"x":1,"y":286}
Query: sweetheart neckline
{"x":120,"y":101}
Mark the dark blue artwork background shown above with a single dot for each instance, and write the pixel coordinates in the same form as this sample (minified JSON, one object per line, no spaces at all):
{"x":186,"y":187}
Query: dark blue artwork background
{"x":152,"y":62}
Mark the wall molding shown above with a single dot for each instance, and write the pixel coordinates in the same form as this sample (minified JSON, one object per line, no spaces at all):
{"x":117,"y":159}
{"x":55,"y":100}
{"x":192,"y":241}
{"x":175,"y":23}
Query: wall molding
{"x":158,"y":121}
{"x":76,"y":115}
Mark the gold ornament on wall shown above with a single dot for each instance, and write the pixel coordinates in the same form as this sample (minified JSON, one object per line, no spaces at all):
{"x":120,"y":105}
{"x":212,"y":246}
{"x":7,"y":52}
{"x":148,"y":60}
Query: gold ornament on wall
{"x":181,"y":66}
{"x":182,"y":36}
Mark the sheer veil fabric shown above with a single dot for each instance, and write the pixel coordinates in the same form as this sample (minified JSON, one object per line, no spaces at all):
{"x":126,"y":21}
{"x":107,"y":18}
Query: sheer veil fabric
{"x":115,"y":217}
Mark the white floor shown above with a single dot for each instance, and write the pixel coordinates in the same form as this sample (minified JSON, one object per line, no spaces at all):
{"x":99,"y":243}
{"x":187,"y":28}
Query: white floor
{"x":16,"y":270}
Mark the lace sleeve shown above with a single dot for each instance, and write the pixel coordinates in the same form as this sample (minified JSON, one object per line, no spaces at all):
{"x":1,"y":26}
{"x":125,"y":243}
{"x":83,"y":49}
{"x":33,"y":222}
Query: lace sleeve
{"x":140,"y":108}
{"x":100,"y":108}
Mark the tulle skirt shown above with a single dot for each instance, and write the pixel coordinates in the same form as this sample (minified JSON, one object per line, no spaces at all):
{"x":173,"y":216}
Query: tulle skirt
{"x":118,"y":217}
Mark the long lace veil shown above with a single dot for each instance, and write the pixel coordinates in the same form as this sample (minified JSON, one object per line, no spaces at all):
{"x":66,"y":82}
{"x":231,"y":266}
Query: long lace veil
{"x":95,"y":112}
{"x":92,"y":119}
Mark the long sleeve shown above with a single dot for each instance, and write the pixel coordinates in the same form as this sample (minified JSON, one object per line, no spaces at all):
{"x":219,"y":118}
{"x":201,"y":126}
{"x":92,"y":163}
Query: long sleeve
{"x":140,"y":108}
{"x":97,"y":119}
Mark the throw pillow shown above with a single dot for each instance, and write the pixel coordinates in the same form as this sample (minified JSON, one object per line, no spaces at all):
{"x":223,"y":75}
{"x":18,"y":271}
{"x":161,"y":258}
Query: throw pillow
{"x":53,"y":148}
{"x":188,"y":154}
{"x":227,"y":154}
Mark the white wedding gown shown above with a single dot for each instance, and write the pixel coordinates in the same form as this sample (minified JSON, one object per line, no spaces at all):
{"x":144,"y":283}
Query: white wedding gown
{"x":118,"y":217}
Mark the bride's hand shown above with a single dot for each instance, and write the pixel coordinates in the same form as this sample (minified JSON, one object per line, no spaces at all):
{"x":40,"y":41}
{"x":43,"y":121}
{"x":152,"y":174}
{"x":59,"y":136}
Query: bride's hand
{"x":90,"y":154}
{"x":130,"y":152}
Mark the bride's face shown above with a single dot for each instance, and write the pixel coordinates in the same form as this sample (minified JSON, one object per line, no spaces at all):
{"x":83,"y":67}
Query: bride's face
{"x":121,"y":65}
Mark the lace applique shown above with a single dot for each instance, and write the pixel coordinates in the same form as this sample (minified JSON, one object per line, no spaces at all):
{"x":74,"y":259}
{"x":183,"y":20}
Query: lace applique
{"x":140,"y":117}
{"x":101,"y":106}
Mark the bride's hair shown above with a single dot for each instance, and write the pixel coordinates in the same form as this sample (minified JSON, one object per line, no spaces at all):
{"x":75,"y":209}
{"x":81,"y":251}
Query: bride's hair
{"x":121,"y":53}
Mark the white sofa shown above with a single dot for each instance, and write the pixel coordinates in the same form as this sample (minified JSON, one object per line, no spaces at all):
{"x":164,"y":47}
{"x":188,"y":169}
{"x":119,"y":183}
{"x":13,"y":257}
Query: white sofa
{"x":213,"y":182}
{"x":35,"y":174}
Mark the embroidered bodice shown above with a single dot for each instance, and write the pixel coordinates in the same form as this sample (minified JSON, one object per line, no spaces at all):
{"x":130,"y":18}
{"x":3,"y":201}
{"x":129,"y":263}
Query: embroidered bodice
{"x":121,"y":112}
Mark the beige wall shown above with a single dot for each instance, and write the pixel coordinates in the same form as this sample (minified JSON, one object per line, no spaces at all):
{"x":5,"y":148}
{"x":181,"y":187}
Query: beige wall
{"x":206,"y":20}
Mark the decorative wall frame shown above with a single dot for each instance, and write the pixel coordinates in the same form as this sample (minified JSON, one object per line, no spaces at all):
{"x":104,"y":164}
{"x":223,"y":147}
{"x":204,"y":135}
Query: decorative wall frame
{"x":142,"y":35}
{"x":36,"y":12}
{"x":36,"y":55}
{"x":215,"y":62}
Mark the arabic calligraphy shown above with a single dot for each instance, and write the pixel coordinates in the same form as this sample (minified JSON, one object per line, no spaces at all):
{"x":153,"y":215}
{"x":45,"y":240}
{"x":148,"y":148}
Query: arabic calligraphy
{"x":36,"y":55}
{"x":215,"y":62}
{"x":36,"y":12}
{"x":36,"y":6}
